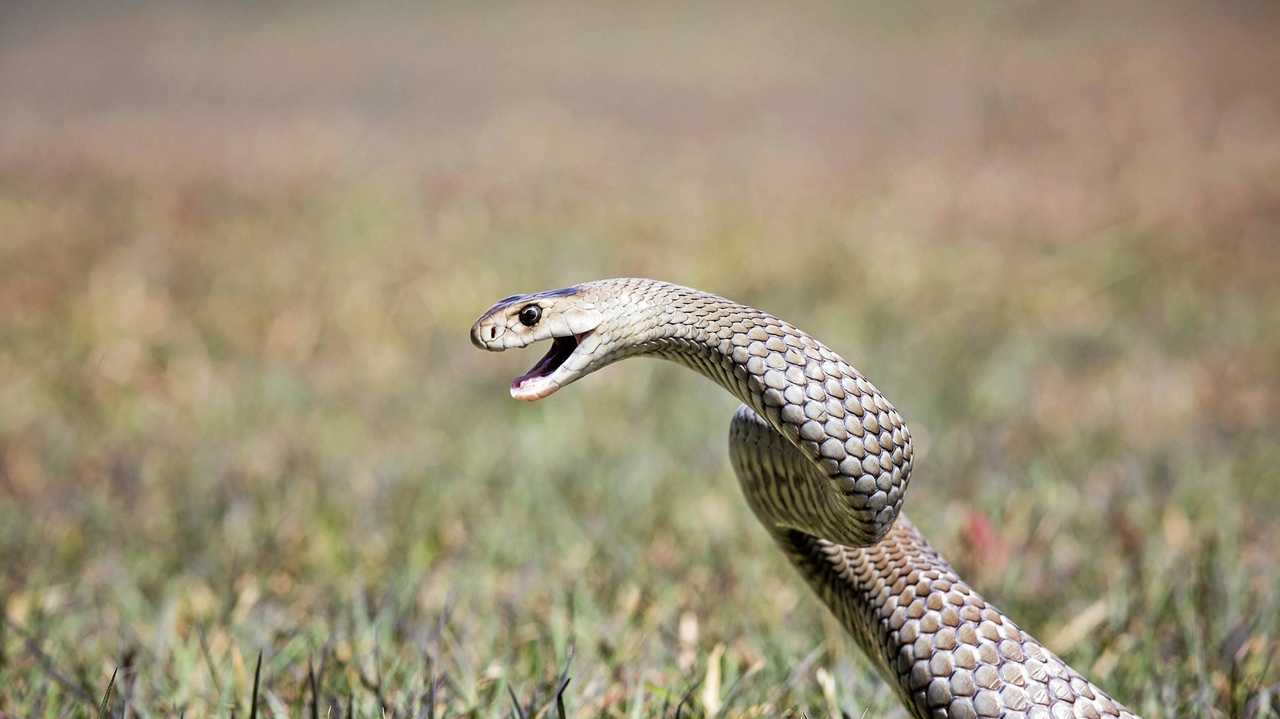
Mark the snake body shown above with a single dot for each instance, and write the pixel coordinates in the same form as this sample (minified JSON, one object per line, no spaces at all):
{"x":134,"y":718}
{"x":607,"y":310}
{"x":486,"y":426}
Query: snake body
{"x":824,"y":460}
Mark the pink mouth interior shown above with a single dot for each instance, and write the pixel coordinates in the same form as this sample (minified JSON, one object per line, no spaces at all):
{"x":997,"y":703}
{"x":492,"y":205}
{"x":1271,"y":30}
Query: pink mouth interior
{"x":561,"y":348}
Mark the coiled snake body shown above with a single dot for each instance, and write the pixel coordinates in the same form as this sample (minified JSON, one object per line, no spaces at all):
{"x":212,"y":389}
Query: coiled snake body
{"x":824,"y":460}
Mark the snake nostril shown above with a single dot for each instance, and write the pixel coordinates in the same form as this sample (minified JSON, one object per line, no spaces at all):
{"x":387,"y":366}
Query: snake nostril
{"x":493,"y":333}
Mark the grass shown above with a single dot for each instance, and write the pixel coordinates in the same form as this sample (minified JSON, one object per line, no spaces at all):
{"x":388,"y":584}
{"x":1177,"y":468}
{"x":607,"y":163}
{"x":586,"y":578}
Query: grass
{"x":240,"y":417}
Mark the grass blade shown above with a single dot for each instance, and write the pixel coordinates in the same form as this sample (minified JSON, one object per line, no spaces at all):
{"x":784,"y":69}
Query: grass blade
{"x":560,"y":699}
{"x":257,"y":676}
{"x":516,"y":703}
{"x":103,"y":710}
{"x":315,"y":694}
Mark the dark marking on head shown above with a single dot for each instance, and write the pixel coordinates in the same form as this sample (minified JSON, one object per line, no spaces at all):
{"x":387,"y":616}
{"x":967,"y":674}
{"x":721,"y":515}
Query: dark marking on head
{"x":506,"y":302}
{"x":562,"y":292}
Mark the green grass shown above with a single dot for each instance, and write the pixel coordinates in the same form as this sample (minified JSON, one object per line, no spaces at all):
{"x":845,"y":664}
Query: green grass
{"x":240,"y":416}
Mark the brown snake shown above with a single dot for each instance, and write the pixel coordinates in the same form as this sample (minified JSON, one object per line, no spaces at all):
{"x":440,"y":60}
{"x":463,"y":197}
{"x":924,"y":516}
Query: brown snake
{"x":824,"y":461}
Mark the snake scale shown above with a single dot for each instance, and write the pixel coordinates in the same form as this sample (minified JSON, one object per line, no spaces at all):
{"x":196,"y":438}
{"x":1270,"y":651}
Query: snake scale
{"x":824,"y":460}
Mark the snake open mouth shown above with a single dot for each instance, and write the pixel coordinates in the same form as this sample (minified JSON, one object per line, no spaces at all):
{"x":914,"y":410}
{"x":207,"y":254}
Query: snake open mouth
{"x":537,"y":382}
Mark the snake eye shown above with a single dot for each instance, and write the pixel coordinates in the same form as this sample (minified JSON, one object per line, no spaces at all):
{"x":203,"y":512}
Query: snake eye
{"x":530,"y":315}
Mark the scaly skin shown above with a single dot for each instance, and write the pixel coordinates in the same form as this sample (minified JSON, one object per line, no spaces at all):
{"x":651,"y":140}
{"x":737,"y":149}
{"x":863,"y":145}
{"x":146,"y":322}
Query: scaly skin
{"x":824,"y":461}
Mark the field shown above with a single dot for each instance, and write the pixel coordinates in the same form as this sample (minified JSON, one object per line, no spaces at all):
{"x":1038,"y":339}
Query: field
{"x":241,"y":248}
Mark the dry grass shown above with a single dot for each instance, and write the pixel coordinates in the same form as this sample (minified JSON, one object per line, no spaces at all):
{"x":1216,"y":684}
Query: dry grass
{"x":240,"y":250}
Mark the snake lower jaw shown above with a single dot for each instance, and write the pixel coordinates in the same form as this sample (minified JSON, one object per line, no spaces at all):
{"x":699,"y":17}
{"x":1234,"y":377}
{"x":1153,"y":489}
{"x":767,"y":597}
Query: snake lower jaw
{"x":533,"y":389}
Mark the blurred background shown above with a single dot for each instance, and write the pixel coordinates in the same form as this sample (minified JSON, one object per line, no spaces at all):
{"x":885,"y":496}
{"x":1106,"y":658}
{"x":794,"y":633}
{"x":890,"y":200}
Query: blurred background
{"x":241,"y":245}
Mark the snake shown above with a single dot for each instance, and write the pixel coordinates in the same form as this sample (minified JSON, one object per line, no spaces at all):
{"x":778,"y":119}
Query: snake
{"x":823,"y":459}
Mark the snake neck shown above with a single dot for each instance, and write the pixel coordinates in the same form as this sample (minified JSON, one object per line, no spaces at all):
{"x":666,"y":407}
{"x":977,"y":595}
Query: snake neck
{"x":809,"y":394}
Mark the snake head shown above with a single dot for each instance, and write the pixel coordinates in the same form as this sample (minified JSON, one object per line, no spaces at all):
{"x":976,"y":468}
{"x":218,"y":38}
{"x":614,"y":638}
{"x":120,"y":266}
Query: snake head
{"x":568,"y":317}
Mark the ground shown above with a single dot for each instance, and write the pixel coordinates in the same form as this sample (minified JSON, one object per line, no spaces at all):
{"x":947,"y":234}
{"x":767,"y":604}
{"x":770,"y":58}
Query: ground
{"x":240,"y":251}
